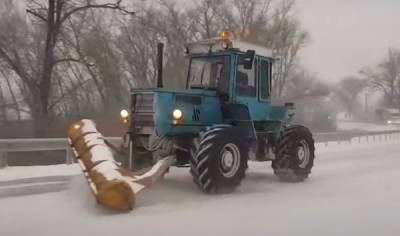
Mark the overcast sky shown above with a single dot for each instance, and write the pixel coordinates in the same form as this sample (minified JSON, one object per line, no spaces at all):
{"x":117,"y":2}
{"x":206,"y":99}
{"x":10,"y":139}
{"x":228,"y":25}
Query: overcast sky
{"x":348,"y":34}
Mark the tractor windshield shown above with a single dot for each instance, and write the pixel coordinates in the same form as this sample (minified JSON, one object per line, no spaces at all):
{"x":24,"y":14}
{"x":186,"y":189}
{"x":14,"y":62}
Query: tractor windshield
{"x":209,"y":73}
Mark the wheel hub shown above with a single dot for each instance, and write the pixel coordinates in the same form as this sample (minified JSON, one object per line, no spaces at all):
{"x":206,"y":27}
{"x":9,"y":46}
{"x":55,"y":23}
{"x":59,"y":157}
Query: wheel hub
{"x":227,"y":160}
{"x":230,"y":160}
{"x":303,"y":154}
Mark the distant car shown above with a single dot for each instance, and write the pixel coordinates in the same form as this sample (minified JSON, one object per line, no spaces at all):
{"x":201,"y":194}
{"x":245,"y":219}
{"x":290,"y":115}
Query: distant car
{"x":390,"y":116}
{"x":394,"y":119}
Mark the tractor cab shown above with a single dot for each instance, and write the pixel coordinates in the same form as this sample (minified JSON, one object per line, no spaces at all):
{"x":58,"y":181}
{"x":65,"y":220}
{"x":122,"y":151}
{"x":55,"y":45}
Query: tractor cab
{"x":234,"y":71}
{"x":227,"y":82}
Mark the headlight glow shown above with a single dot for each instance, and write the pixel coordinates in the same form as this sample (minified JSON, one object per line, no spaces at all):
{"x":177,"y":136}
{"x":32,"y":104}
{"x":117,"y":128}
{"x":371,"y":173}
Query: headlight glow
{"x":124,"y":114}
{"x":177,"y":114}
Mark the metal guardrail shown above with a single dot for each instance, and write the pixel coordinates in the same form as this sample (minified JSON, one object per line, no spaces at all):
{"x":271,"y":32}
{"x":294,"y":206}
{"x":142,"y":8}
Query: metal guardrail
{"x":343,"y":136}
{"x":30,"y":145}
{"x":34,"y":185}
{"x":55,"y":144}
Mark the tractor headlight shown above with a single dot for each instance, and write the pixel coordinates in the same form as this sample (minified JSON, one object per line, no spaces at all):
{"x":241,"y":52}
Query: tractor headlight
{"x":124,"y":116}
{"x":177,"y":114}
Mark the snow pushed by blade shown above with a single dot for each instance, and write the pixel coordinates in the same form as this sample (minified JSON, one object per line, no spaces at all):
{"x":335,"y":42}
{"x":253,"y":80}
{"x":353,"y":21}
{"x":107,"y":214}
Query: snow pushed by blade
{"x":353,"y":190}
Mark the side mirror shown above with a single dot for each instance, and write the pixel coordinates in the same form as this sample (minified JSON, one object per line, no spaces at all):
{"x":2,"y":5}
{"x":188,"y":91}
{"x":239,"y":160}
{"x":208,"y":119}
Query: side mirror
{"x":248,"y":59}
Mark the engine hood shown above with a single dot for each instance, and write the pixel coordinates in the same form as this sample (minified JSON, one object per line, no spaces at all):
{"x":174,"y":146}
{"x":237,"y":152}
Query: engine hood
{"x":199,"y":107}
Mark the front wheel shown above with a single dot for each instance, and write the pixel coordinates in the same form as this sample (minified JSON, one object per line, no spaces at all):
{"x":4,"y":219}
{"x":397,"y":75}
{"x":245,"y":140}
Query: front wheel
{"x":218,"y":159}
{"x":294,"y":154}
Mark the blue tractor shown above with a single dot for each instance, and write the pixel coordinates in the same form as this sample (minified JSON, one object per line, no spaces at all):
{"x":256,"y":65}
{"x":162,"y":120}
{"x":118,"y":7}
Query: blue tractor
{"x":223,"y":119}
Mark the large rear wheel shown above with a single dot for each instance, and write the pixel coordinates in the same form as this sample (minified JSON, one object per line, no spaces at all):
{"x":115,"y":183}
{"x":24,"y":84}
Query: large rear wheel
{"x":218,"y":159}
{"x":294,"y":154}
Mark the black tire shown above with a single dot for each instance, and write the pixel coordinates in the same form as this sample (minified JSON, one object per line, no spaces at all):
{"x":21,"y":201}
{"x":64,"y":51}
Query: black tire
{"x":294,"y":154}
{"x":209,"y":159}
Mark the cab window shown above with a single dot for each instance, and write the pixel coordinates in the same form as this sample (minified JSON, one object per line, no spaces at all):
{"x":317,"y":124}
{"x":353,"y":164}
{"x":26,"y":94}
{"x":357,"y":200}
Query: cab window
{"x":265,"y":78}
{"x":209,"y":73}
{"x":246,"y":81}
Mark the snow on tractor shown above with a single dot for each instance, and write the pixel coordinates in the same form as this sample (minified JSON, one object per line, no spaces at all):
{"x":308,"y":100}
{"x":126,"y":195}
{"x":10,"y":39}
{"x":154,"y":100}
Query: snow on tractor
{"x":223,"y":119}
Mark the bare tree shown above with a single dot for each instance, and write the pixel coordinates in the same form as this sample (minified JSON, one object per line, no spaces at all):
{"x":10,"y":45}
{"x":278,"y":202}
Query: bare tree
{"x":75,"y":59}
{"x":207,"y":19}
{"x":304,"y":85}
{"x":49,"y":19}
{"x":312,"y":99}
{"x":138,"y":42}
{"x":348,"y":91}
{"x":9,"y":87}
{"x":268,"y":23}
{"x":3,"y":105}
{"x":385,"y":77}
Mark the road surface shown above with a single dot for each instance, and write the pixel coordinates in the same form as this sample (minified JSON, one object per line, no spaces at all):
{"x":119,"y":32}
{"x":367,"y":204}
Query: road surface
{"x":353,"y":190}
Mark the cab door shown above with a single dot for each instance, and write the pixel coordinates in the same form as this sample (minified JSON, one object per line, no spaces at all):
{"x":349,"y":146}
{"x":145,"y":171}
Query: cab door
{"x":247,"y":90}
{"x":265,"y":84}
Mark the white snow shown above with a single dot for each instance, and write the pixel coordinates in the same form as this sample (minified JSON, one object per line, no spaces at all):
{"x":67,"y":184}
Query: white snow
{"x":88,"y":126}
{"x":101,"y":153}
{"x":244,"y":46}
{"x":108,"y":170}
{"x":353,"y":190}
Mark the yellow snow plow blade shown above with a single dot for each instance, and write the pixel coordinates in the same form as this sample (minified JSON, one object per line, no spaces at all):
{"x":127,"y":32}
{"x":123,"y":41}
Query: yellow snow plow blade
{"x":113,"y":186}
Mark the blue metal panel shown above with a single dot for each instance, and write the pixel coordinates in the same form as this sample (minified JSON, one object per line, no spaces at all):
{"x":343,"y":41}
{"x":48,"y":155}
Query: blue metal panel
{"x":278,"y":113}
{"x":195,"y":116}
{"x":163,"y":107}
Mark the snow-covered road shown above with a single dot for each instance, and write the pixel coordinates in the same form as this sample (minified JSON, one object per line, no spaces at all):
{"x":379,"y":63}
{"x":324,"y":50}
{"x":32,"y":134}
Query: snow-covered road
{"x":354,"y":190}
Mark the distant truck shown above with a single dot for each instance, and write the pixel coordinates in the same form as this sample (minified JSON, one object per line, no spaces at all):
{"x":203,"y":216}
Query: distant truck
{"x":389,"y":116}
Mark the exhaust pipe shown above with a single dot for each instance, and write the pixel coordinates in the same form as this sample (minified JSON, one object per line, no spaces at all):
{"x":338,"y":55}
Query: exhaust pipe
{"x":160,"y":52}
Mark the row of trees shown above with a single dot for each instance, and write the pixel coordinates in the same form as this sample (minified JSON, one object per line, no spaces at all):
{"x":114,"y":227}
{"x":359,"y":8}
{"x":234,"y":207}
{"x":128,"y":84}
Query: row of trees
{"x":383,"y":78}
{"x":72,"y":58}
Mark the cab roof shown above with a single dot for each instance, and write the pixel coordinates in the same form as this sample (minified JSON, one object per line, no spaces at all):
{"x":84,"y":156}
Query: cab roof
{"x":225,"y":44}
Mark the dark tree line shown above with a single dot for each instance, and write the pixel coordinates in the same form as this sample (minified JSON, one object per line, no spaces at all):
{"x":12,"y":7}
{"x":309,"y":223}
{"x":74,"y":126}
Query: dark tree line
{"x":71,"y":58}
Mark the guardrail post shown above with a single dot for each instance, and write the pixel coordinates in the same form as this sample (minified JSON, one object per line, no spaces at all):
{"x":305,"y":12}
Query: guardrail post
{"x":359,"y":139}
{"x":68,"y":156}
{"x":3,"y":159}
